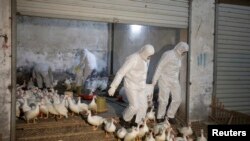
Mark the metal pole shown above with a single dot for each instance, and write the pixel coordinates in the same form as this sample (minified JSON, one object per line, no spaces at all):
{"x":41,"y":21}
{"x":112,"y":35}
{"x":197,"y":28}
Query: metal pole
{"x":13,"y":71}
{"x":189,"y":59}
{"x":215,"y":52}
{"x":112,"y":48}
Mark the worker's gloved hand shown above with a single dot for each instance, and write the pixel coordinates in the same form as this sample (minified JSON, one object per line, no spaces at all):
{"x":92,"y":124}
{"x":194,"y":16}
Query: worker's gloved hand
{"x":111,"y":91}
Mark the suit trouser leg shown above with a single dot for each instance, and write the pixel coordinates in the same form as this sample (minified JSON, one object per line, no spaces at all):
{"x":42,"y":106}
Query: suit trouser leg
{"x":176,"y":100}
{"x":163,"y":97}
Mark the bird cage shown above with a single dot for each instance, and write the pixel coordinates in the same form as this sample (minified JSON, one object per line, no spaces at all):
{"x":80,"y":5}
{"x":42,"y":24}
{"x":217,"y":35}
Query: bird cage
{"x":221,"y":115}
{"x":101,"y":104}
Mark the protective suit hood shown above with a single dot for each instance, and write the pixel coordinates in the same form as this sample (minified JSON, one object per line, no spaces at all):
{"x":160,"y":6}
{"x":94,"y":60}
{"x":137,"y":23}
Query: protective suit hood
{"x":83,"y":53}
{"x":181,"y":47}
{"x":146,"y":51}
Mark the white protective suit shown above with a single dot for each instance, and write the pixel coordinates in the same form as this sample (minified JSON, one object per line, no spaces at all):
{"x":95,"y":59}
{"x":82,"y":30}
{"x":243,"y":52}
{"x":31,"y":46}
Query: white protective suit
{"x":84,"y":69}
{"x":134,"y":72}
{"x":167,"y":75}
{"x":148,"y":92}
{"x":43,"y":75}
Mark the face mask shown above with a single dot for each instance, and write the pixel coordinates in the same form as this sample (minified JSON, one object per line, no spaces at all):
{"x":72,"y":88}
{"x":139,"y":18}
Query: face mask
{"x":183,"y":53}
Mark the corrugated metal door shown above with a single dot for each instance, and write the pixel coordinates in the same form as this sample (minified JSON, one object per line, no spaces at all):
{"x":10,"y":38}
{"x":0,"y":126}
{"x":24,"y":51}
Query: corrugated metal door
{"x":232,"y":85}
{"x":165,"y":13}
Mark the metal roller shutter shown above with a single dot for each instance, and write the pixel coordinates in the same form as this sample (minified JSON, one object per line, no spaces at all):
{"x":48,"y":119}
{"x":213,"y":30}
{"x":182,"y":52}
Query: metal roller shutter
{"x":232,"y":84}
{"x":165,"y":13}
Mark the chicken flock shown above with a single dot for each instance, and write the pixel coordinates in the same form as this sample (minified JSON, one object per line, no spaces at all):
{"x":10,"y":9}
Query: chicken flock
{"x":34,"y":102}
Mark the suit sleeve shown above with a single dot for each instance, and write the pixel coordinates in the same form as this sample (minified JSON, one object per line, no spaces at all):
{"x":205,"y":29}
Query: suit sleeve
{"x":162,"y":63}
{"x":129,"y":63}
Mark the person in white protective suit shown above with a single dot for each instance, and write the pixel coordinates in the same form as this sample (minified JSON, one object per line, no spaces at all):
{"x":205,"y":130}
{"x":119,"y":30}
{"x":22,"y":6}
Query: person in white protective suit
{"x":42,"y":73}
{"x":148,"y":91}
{"x":134,"y":72}
{"x":167,"y":75}
{"x":84,"y":69}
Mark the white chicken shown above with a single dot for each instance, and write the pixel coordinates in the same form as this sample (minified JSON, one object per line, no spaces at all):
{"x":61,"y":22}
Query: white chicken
{"x":52,"y":110}
{"x":50,"y":107}
{"x":186,"y":131}
{"x":44,"y":109}
{"x":184,"y":138}
{"x":32,"y":114}
{"x":25,"y":106}
{"x":150,"y":137}
{"x":172,"y":138}
{"x":96,"y":121}
{"x":161,"y":136}
{"x":55,"y":82}
{"x":73,"y":106}
{"x":32,"y":100}
{"x":121,"y":133}
{"x":18,"y":109}
{"x":151,"y":114}
{"x":67,"y":102}
{"x":56,"y":99}
{"x":92,"y":105}
{"x":67,"y":83}
{"x":169,"y":130}
{"x":109,"y":127}
{"x":22,"y":86}
{"x":130,"y":136}
{"x":82,"y":106}
{"x":160,"y":126}
{"x":61,"y":109}
{"x":202,"y":138}
{"x":143,"y":130}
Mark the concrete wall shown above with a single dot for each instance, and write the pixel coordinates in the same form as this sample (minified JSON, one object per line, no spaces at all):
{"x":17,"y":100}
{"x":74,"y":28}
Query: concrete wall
{"x":201,"y":59}
{"x":57,"y":42}
{"x":5,"y":71}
